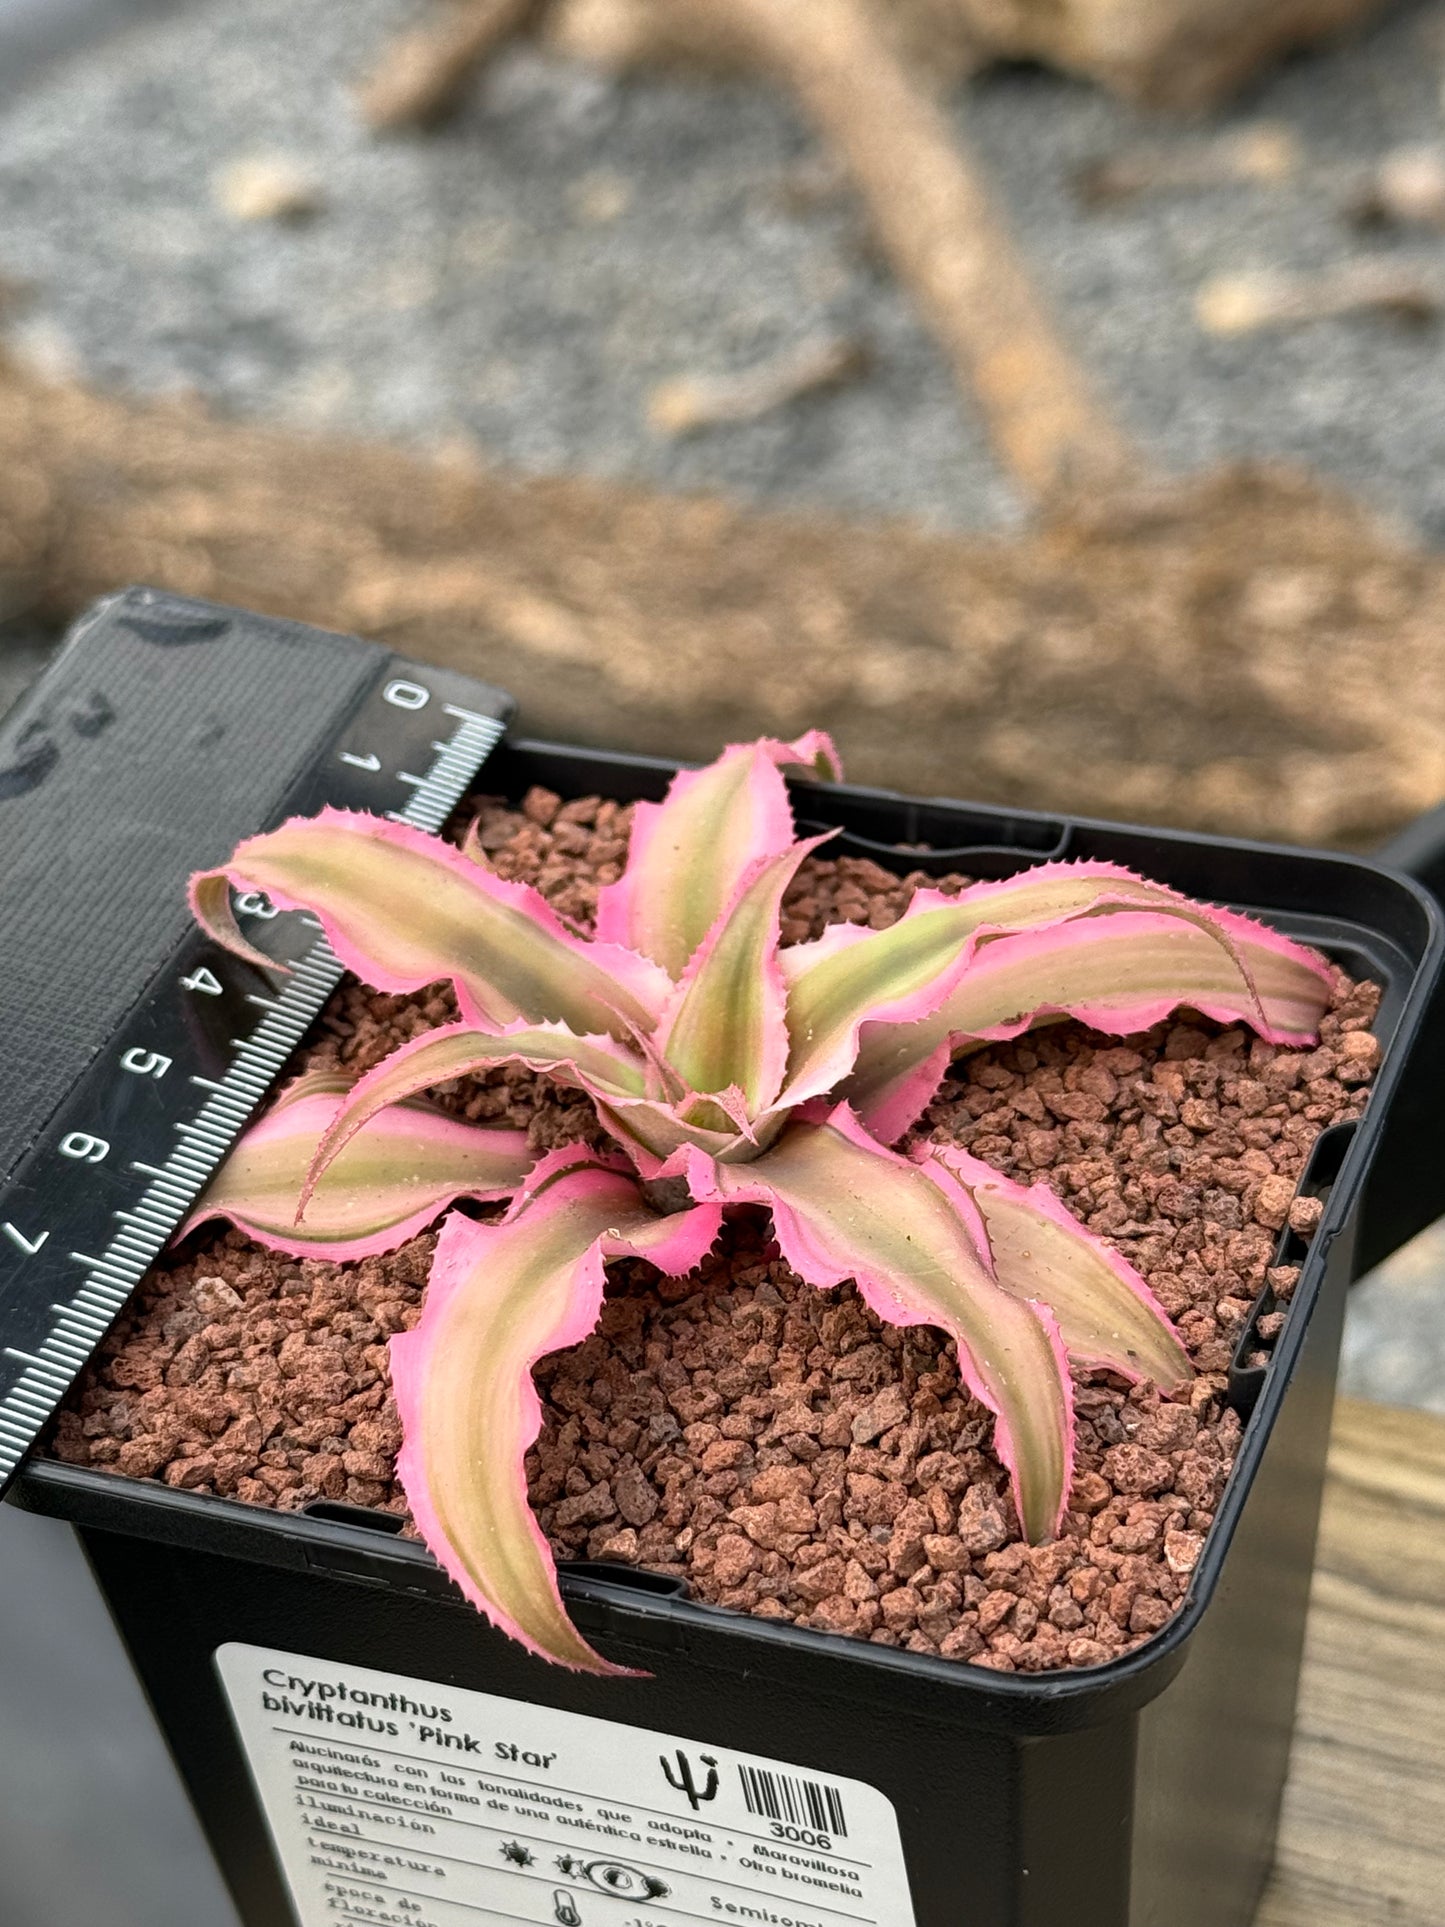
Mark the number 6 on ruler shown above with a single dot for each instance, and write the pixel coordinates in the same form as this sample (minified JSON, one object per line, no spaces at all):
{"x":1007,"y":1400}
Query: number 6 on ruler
{"x":80,"y":1144}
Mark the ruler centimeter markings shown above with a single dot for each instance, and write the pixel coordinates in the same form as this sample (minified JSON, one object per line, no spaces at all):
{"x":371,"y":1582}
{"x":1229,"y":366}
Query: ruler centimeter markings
{"x":117,"y":1170}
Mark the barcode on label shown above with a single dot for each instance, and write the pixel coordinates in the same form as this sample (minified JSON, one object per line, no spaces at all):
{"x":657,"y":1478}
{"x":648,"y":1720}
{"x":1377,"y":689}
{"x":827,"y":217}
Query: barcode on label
{"x":799,"y":1803}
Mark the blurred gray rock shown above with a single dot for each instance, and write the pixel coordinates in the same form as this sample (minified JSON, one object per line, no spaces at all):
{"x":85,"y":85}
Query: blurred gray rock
{"x":1395,"y":1333}
{"x":35,"y":32}
{"x":525,"y":278}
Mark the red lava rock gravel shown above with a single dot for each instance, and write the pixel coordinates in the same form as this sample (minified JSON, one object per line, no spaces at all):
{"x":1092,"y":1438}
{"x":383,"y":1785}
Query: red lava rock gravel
{"x":777,"y":1446}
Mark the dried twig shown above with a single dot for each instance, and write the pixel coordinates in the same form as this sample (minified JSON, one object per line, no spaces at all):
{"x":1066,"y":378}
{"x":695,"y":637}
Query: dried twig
{"x":268,"y":187}
{"x":939,"y":38}
{"x":1171,"y":53}
{"x":1246,"y":303}
{"x":1076,"y":668}
{"x":938,"y":227}
{"x":1265,"y":154}
{"x":1405,"y":188}
{"x":420,"y":76}
{"x":693,"y":402}
{"x":929,"y":209}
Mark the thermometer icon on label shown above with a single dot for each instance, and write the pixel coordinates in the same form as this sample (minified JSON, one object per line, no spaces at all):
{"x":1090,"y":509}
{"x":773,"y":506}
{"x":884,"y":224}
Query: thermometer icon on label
{"x":564,"y":1909}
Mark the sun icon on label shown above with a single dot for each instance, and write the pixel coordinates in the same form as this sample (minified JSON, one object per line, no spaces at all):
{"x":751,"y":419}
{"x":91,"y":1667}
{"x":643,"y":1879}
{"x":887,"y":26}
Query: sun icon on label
{"x":519,"y":1855}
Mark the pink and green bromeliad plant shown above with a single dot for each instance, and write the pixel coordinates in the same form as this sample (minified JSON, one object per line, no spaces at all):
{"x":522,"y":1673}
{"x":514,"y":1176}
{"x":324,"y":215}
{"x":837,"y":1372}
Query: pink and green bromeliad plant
{"x":728,"y":1070}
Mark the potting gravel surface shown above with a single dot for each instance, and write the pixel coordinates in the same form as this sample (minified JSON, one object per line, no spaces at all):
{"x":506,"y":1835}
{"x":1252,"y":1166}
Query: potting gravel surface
{"x":777,"y":1446}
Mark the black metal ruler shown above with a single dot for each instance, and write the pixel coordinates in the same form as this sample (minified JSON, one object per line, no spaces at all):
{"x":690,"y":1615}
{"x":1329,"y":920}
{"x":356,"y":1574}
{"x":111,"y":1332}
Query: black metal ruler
{"x":133,"y":1050}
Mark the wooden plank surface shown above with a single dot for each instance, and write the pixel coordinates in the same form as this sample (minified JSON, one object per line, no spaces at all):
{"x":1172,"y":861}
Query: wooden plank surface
{"x":1363,"y":1836}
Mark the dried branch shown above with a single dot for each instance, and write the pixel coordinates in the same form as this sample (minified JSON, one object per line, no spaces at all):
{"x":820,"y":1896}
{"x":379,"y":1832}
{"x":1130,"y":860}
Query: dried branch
{"x":938,"y":38}
{"x":420,"y":76}
{"x":930,"y":211}
{"x":667,"y":624}
{"x":268,"y":187}
{"x":1405,"y":188}
{"x":1248,"y":303}
{"x":946,"y":243}
{"x":1181,"y":54}
{"x":1265,"y":155}
{"x":693,"y":402}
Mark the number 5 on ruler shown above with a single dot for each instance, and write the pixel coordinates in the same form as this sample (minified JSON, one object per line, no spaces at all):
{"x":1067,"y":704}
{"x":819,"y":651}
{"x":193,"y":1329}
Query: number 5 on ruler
{"x":145,"y":1063}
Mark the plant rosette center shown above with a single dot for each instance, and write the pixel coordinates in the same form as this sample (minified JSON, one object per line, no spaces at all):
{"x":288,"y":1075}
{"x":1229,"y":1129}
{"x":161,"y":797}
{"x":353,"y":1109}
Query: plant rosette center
{"x":773,"y":1090}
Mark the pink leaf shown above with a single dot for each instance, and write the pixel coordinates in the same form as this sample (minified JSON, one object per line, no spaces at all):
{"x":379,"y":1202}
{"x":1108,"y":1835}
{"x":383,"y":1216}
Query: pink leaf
{"x":403,"y":909}
{"x":601,"y":1066}
{"x":650,"y":1130}
{"x":724,"y":1027}
{"x":501,"y":1297}
{"x":910,"y":1237}
{"x":657,"y":1136}
{"x":210,"y":896}
{"x":472,"y":844}
{"x":852,"y":975}
{"x":389,"y":1183}
{"x":1106,"y":1313}
{"x":814,"y":754}
{"x":903,"y":974}
{"x":690,"y":853}
{"x":1120,"y":972}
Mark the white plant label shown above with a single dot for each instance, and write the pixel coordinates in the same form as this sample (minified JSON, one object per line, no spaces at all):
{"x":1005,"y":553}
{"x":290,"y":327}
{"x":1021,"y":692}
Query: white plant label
{"x":398,"y":1803}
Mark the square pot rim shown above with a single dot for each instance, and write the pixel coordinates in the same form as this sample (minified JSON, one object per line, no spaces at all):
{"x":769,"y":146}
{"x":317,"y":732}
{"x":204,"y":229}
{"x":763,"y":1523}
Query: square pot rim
{"x":1017,"y":1703}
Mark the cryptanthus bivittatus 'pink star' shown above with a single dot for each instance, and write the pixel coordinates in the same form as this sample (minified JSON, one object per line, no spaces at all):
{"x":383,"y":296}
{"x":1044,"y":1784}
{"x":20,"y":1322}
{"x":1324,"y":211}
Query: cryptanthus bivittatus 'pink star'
{"x":727,"y":1070}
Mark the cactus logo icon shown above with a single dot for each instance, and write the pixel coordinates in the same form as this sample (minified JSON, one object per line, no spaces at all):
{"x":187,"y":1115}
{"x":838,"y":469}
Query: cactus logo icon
{"x":685,"y":1780}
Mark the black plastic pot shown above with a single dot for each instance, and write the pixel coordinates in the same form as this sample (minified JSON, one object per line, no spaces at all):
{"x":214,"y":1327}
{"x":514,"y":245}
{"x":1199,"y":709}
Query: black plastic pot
{"x":1143,"y":1793}
{"x":1407,"y":1195}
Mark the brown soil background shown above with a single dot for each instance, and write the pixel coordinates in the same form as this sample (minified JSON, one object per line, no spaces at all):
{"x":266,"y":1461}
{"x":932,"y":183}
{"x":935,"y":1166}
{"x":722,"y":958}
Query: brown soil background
{"x":1247,"y":653}
{"x":777,"y":1446}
